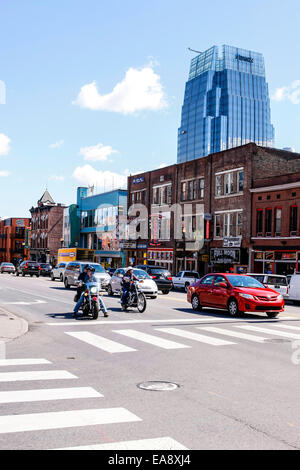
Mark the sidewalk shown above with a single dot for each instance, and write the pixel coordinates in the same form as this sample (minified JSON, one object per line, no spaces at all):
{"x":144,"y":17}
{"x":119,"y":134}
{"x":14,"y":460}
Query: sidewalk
{"x":11,"y":326}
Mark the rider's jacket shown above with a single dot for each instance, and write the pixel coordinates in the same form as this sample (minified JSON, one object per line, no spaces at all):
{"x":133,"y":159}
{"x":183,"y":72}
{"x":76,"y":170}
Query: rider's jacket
{"x":127,"y":279}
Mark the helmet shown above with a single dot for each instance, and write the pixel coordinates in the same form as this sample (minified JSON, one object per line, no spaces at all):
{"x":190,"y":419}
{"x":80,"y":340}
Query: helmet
{"x":86,"y":266}
{"x":90,"y":268}
{"x":129,"y":269}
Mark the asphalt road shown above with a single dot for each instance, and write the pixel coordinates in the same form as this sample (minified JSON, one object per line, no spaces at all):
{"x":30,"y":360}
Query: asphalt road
{"x":238,"y":379}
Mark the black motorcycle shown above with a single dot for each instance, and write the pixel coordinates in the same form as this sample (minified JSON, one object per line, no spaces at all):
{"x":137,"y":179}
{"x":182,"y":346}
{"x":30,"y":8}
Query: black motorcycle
{"x":90,"y":306}
{"x":135,"y":298}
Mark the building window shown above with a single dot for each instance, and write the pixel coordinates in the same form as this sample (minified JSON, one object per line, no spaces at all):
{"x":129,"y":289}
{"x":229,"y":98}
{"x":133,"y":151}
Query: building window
{"x":268,"y":222}
{"x":259,"y":222}
{"x":228,"y":183}
{"x":218,"y":185}
{"x":239,"y":224}
{"x":183,"y":191}
{"x":201,"y":188}
{"x":191,"y":190}
{"x":293,"y":220}
{"x":218,"y":226}
{"x":278,"y":222}
{"x":240,"y":181}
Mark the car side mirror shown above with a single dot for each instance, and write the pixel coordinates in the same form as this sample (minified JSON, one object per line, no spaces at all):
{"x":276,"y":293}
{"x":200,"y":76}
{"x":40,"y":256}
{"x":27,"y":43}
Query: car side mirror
{"x":223,"y":284}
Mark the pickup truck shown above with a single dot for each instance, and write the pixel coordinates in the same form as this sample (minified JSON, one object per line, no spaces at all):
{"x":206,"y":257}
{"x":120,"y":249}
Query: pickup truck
{"x":183,"y":279}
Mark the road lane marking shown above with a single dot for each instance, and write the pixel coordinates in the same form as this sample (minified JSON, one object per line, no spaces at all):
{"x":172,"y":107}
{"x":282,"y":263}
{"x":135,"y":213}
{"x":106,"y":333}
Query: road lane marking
{"x":20,"y":396}
{"x":173,"y":320}
{"x":24,"y":303}
{"x":234,"y":334}
{"x":289,"y":327}
{"x":155,"y":340}
{"x":161,"y":443}
{"x":268,"y":331}
{"x":36,"y":375}
{"x":101,"y":342}
{"x":23,"y":362}
{"x":195,"y":336}
{"x":64,"y":419}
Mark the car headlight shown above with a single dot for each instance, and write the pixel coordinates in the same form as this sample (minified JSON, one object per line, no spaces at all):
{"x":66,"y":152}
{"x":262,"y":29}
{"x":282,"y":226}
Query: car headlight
{"x":247,"y":296}
{"x":279,"y":297}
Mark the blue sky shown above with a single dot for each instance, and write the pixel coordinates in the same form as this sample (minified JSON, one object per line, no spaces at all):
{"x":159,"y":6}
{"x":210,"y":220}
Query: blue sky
{"x":130,"y":58}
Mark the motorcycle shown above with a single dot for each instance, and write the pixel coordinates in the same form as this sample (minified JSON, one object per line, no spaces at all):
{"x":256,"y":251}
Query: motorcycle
{"x":135,"y":298}
{"x":90,"y":306}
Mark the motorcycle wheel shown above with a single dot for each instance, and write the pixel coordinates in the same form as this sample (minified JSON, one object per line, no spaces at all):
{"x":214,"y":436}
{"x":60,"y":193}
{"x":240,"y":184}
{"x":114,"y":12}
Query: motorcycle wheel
{"x":141,"y":303}
{"x":95,"y":310}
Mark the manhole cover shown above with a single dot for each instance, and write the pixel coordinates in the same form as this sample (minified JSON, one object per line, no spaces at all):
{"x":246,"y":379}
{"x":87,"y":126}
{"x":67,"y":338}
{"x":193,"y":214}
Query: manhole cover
{"x":277,"y":340}
{"x":158,"y":386}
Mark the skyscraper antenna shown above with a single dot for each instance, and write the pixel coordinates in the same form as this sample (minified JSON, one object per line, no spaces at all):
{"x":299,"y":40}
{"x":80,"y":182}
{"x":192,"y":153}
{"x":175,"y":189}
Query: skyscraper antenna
{"x":193,"y":50}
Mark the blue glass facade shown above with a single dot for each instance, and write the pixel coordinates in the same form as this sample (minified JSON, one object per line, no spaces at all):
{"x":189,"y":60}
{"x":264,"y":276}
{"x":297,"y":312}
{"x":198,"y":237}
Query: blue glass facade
{"x":226,"y":103}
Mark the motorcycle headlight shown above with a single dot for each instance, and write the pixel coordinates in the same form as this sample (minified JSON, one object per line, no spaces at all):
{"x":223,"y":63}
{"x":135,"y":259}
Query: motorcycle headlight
{"x":94,"y":290}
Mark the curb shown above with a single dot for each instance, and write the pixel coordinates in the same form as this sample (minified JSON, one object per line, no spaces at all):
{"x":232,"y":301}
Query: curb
{"x":11,"y":326}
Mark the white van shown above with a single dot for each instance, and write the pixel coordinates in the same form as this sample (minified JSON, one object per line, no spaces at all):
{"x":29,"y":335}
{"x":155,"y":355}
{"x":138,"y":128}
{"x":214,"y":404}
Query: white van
{"x":273,"y":281}
{"x":294,"y":287}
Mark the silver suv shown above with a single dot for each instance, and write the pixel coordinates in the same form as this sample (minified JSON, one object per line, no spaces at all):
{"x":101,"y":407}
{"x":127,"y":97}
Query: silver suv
{"x":74,"y":268}
{"x":58,"y":272}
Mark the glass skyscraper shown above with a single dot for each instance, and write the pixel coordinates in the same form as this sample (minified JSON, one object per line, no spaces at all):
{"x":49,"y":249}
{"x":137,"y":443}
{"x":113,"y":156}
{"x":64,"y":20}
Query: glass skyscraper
{"x":226,"y":103}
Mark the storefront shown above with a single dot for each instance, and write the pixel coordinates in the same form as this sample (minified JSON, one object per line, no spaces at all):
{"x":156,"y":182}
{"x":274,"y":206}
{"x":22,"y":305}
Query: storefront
{"x":228,"y":260}
{"x":110,"y":259}
{"x":161,"y":257}
{"x":275,"y":262}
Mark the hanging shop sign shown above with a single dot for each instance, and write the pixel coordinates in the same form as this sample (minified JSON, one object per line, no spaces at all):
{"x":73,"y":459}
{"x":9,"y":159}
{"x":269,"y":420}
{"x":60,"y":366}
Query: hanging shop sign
{"x":234,"y":242}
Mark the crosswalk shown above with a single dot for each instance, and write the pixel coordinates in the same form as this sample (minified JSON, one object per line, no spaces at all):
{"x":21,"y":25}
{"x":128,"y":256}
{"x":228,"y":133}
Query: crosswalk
{"x":224,"y":334}
{"x":71,"y":417}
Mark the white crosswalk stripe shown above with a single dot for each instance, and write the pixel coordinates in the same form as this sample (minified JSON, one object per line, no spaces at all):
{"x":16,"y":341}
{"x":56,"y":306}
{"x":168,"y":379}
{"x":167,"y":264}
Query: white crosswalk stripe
{"x":100,"y":342}
{"x":22,"y":396}
{"x":269,"y":331}
{"x":161,"y":443}
{"x":23,"y":362}
{"x":234,"y":334}
{"x":65,"y":419}
{"x":195,"y":336}
{"x":289,"y":327}
{"x":151,"y":339}
{"x":36,"y":375}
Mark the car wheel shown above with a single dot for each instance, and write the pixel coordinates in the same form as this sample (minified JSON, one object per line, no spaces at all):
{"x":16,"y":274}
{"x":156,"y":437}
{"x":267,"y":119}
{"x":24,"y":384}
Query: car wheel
{"x":272,"y":314}
{"x":109,"y":290}
{"x":196,"y":302}
{"x":67,"y":286}
{"x":17,"y":274}
{"x":233,"y":308}
{"x":61,"y":278}
{"x":52,"y":277}
{"x":165,"y":292}
{"x":37,"y":275}
{"x":23,"y":274}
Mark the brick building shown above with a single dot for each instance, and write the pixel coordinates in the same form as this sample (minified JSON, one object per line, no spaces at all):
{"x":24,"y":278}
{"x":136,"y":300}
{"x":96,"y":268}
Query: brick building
{"x":46,"y":229}
{"x":12,"y":239}
{"x":221,"y":187}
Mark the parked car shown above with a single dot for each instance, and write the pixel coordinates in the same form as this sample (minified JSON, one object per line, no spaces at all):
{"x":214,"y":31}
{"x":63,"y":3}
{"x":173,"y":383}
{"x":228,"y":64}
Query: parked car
{"x":58,"y":272}
{"x":7,"y":268}
{"x":146,"y":284}
{"x":32,"y":268}
{"x":74,"y":268}
{"x":161,"y":276}
{"x":273,"y":281}
{"x":45,"y":269}
{"x":294,"y":288}
{"x":184,"y":279}
{"x":237,"y":293}
{"x":111,"y":271}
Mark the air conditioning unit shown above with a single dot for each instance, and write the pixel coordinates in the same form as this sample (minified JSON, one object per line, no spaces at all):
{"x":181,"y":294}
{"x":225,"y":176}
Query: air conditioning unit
{"x":277,"y":234}
{"x":268,"y":234}
{"x":259,"y":234}
{"x":293,"y":234}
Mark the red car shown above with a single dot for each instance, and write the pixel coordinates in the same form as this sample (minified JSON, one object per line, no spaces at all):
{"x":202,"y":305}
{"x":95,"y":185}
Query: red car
{"x":236,"y":293}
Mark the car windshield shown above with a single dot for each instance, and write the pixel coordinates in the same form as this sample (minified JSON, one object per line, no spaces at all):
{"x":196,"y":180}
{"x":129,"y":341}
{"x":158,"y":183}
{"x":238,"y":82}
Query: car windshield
{"x":141,"y":274}
{"x":7,"y":264}
{"x":98,"y":268}
{"x":245,"y":281}
{"x":160,"y":271}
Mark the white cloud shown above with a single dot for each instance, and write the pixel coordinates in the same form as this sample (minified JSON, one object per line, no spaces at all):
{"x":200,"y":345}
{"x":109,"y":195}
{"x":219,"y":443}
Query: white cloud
{"x":4,"y":173}
{"x":290,"y":92}
{"x":57,"y":178}
{"x":4,"y":144}
{"x":97,"y":152}
{"x":57,"y":144}
{"x":89,"y":176}
{"x":139,"y":90}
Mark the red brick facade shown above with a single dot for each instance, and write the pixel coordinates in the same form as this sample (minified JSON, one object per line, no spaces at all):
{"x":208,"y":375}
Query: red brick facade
{"x":12,"y":239}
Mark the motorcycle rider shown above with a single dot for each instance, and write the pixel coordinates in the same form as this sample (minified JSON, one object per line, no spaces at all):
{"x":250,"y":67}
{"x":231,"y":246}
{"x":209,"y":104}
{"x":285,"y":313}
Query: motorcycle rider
{"x":89,"y":277}
{"x":81,"y":287}
{"x":128,"y":278}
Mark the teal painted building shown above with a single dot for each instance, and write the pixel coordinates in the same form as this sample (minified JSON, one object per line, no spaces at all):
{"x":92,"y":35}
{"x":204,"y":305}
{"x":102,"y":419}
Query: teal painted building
{"x":100,"y":215}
